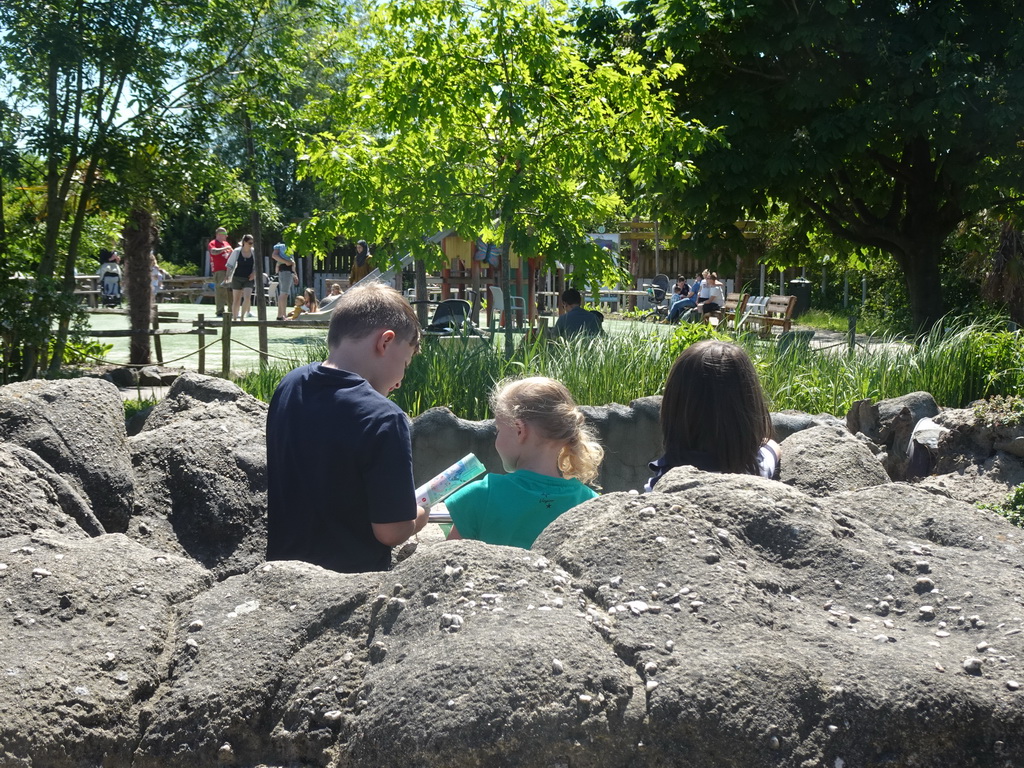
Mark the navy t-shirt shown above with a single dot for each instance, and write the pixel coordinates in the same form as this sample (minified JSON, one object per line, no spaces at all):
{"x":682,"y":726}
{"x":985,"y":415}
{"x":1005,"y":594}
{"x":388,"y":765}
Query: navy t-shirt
{"x":339,"y":457}
{"x":576,"y":321}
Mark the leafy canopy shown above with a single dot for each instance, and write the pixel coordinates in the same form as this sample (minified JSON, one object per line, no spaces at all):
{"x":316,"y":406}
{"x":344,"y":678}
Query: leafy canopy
{"x":890,"y":122}
{"x":483,"y":118}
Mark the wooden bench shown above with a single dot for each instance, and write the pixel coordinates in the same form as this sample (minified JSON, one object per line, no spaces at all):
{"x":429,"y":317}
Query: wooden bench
{"x":752,"y":308}
{"x":734,"y":305}
{"x":776,"y":311}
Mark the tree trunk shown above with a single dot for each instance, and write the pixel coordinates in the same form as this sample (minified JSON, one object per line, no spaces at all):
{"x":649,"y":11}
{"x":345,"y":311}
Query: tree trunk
{"x":84,"y":198}
{"x":920,"y":264}
{"x":256,"y":229}
{"x":38,"y":309}
{"x":422,"y":310}
{"x":1004,"y":284}
{"x":138,"y":245}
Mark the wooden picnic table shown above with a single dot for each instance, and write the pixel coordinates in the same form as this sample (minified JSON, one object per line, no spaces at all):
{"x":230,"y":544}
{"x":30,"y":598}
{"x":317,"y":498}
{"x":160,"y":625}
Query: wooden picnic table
{"x":88,"y":287}
{"x":189,"y":287}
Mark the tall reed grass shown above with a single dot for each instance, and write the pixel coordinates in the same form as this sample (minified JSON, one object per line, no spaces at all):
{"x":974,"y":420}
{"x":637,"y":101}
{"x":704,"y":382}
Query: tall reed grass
{"x":460,"y":373}
{"x":956,"y":363}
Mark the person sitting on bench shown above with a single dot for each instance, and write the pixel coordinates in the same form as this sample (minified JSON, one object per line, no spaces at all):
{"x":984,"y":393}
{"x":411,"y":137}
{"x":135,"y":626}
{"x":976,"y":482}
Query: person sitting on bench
{"x":576,"y":320}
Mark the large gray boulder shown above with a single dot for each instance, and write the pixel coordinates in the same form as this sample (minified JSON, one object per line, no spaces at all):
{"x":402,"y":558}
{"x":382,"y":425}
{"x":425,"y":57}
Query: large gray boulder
{"x":824,"y":460}
{"x":987,"y":482}
{"x":631,"y":436}
{"x":33,"y":496}
{"x":440,"y":438}
{"x":786,"y":423}
{"x":889,"y":424}
{"x":201,"y":470}
{"x":724,"y":620}
{"x":247,"y":654}
{"x":194,"y":397}
{"x":974,"y":440}
{"x":462,"y":655}
{"x":88,"y":631}
{"x":77,"y":427}
{"x":884,"y":421}
{"x":774,"y":629}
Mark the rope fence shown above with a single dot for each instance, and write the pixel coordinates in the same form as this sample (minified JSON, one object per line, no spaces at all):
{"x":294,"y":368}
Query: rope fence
{"x":202,"y":328}
{"x":146,"y":365}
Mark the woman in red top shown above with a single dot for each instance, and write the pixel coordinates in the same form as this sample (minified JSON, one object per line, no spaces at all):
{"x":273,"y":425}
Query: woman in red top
{"x":220,"y":249}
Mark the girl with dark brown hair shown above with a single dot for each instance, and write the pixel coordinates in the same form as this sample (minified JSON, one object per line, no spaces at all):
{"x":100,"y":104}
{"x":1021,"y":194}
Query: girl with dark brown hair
{"x":714,"y":415}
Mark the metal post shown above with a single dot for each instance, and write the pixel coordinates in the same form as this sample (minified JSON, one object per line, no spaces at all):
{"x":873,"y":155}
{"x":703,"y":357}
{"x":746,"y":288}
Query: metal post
{"x":761,"y":292}
{"x":851,"y":330}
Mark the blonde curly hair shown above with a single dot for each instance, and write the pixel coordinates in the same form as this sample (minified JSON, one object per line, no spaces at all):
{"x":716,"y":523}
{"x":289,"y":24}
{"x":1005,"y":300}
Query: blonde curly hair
{"x":547,"y":405}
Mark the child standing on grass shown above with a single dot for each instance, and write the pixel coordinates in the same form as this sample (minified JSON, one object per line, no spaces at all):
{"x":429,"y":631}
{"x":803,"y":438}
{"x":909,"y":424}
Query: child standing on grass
{"x":549,"y":453}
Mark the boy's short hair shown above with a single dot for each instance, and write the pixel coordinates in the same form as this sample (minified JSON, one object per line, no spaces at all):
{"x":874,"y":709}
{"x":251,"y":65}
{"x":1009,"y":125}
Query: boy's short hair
{"x":369,"y":307}
{"x":571,"y":296}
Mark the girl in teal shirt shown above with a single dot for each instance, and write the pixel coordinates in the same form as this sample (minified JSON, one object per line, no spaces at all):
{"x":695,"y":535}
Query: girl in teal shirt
{"x":549,"y":452}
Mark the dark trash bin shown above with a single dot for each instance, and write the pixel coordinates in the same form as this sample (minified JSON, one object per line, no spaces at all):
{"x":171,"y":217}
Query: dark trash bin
{"x":800,"y":288}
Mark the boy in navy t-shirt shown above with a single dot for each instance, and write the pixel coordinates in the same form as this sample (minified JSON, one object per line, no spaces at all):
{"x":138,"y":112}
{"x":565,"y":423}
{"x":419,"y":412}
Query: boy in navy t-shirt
{"x":339,"y":453}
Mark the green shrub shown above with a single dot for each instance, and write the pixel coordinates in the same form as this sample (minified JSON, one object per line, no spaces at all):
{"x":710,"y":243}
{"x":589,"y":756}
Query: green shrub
{"x":687,"y":334}
{"x":132,"y":407}
{"x":80,"y":350}
{"x":1012,"y":508}
{"x":177,"y":270}
{"x":957,"y":365}
{"x":1000,"y":411}
{"x":998,"y":358}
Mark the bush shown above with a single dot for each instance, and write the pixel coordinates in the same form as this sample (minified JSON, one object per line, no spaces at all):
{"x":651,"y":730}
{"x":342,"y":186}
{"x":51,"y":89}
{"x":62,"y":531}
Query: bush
{"x":956,"y":364}
{"x":1012,"y":508}
{"x":1000,"y":411}
{"x":687,"y":334}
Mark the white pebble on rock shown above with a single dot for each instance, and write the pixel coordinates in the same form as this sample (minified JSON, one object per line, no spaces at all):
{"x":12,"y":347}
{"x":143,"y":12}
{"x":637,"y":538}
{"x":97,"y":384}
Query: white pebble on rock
{"x":972,"y":665}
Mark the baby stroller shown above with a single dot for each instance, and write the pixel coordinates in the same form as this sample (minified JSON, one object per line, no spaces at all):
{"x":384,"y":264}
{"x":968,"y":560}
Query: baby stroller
{"x":451,"y":318}
{"x":659,"y":298}
{"x":110,"y":289}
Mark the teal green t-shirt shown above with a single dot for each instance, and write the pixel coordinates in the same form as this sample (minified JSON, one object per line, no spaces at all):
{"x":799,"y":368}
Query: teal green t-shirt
{"x":513,"y":509}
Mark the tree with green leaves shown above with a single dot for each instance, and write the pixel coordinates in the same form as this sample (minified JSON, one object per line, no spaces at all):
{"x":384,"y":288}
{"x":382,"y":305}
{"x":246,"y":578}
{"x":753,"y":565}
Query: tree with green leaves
{"x":299,"y":54}
{"x":889,"y":122}
{"x":482,"y":117}
{"x":110,"y":98}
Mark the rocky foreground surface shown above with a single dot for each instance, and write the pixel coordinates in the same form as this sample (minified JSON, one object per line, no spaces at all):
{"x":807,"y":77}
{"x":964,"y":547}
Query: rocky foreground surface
{"x":839,"y":618}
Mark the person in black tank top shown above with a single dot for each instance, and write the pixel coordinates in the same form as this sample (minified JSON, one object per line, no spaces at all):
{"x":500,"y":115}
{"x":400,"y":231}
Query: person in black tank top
{"x":242,"y":265}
